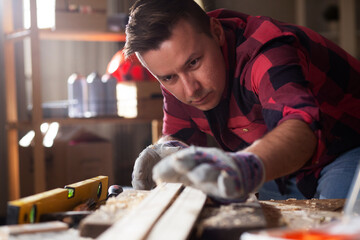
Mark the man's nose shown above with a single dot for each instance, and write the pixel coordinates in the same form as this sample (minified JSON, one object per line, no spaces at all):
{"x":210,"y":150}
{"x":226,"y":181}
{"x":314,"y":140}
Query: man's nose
{"x":191,"y":86}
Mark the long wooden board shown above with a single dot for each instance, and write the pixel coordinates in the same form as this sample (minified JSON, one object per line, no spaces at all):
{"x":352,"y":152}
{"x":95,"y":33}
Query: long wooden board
{"x":7,"y":232}
{"x":115,"y":209}
{"x":138,"y":223}
{"x":180,"y":217}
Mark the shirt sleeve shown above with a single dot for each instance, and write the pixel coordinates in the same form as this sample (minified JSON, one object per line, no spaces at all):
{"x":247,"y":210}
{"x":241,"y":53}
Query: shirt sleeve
{"x":178,"y":123}
{"x":279,"y":76}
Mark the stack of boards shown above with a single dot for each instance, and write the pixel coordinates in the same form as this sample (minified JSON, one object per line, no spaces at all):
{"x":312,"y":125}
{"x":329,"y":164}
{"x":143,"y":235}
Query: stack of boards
{"x":170,"y":211}
{"x":170,"y":208}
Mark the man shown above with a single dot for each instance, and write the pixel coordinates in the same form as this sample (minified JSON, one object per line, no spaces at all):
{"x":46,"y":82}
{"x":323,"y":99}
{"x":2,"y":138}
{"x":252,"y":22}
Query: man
{"x":281,"y":101}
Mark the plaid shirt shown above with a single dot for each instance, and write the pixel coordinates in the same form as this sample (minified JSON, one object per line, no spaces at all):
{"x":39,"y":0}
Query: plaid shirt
{"x":275,"y":72}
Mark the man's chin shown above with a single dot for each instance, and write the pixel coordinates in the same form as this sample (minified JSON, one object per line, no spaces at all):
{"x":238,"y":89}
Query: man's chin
{"x":206,"y":107}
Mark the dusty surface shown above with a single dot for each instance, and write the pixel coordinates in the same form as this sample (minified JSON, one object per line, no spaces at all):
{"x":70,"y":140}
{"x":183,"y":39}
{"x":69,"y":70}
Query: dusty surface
{"x":215,"y":222}
{"x":229,"y":222}
{"x":301,"y":213}
{"x":114,"y":209}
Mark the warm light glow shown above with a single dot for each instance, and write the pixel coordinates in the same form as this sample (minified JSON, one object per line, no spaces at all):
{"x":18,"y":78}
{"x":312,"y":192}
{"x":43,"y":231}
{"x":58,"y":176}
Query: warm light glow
{"x":114,"y":63}
{"x":50,"y":131}
{"x":50,"y":135}
{"x":45,"y":13}
{"x":127,"y":100}
{"x":26,"y":140}
{"x":44,"y":127}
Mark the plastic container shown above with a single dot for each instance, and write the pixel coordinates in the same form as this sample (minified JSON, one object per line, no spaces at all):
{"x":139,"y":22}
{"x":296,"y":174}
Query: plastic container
{"x":96,"y":90}
{"x":110,"y":94}
{"x":77,"y":95}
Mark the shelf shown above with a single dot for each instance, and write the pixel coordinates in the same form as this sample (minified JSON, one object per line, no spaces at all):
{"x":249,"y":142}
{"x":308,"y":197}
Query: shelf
{"x":70,"y":121}
{"x":47,"y":34}
{"x":18,"y":35}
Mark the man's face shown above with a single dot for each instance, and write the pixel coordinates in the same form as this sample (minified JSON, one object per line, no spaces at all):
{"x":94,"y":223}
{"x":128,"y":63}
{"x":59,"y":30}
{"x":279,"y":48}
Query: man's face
{"x":190,"y":65}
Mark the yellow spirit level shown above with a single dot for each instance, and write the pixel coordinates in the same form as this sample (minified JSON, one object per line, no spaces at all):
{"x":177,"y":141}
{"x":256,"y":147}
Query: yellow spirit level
{"x":29,"y":209}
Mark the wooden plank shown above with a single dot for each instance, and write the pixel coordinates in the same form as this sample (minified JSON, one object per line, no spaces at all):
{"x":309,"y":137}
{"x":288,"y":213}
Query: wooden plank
{"x":37,"y":117}
{"x":81,"y":36}
{"x":308,"y":213}
{"x":8,"y":232}
{"x":11,"y":104}
{"x":230,"y":221}
{"x":348,"y":31}
{"x":180,"y":217}
{"x":156,"y":130}
{"x":300,"y":12}
{"x":138,"y":223}
{"x":114,"y":209}
{"x":18,"y":35}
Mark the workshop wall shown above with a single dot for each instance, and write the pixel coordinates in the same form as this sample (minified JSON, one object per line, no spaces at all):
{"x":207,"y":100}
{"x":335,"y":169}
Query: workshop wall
{"x":3,"y":157}
{"x":283,"y":10}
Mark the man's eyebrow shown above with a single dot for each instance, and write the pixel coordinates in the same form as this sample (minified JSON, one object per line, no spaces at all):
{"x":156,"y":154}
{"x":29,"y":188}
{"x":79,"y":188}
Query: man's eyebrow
{"x":188,"y":60}
{"x":162,"y":76}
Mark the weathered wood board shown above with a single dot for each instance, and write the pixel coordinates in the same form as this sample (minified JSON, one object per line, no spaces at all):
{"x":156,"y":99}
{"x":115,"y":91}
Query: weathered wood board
{"x":230,"y":221}
{"x":169,"y":206}
{"x":114,"y":209}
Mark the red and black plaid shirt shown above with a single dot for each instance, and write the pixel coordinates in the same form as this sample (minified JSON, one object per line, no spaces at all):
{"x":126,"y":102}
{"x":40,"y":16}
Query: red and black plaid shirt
{"x":277,"y":71}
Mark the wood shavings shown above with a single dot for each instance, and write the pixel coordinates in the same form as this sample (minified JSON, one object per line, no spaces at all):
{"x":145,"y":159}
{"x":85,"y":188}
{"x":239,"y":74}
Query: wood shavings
{"x":114,"y":209}
{"x":304,"y":213}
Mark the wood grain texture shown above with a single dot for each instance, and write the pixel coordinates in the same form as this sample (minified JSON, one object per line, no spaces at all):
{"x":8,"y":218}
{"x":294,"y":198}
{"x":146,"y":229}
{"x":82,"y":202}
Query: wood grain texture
{"x":11,"y":103}
{"x":180,"y":217}
{"x":229,"y":221}
{"x":115,"y":209}
{"x":138,"y":223}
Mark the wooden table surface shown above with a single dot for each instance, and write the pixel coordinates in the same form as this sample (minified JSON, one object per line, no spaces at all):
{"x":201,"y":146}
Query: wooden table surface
{"x":230,"y":221}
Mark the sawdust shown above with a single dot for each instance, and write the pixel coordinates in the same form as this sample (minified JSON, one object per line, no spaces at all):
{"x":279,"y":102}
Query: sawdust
{"x":116,"y":207}
{"x":293,"y":213}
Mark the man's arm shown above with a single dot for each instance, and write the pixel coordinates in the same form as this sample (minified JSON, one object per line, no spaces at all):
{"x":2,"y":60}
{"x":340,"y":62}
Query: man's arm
{"x":285,"y":149}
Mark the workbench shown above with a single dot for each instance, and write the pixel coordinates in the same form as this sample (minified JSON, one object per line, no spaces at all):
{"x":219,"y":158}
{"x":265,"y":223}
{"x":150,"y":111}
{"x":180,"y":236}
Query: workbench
{"x":229,"y":221}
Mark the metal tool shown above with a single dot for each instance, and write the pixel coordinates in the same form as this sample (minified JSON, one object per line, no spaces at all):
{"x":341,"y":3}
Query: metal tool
{"x":114,"y":190}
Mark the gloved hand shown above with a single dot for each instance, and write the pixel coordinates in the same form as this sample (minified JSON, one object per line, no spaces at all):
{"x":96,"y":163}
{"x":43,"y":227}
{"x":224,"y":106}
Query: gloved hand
{"x":223,"y":175}
{"x":142,"y":172}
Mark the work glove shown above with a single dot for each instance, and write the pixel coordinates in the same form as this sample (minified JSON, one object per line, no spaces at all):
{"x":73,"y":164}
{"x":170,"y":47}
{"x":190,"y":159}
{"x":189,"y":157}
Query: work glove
{"x":222,"y":175}
{"x":151,"y":155}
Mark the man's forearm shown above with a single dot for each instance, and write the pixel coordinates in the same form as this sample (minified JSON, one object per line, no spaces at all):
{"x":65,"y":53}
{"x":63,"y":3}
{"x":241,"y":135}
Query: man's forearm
{"x":285,"y":149}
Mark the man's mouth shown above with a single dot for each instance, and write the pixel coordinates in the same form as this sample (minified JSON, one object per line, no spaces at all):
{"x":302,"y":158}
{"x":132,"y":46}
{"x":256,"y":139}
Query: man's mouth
{"x":201,"y":100}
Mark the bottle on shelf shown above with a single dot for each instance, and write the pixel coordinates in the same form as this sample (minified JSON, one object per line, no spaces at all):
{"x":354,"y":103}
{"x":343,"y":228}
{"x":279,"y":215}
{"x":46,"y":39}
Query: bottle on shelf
{"x":96,"y":97}
{"x":77,"y":95}
{"x":110,"y":83}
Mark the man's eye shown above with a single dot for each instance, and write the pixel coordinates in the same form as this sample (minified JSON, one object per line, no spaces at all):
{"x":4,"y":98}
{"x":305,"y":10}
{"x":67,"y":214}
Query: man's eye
{"x":167,"y":78}
{"x":194,"y":63}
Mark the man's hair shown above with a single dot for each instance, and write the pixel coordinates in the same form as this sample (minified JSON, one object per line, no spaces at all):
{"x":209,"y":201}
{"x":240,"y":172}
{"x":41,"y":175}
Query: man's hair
{"x":151,"y":22}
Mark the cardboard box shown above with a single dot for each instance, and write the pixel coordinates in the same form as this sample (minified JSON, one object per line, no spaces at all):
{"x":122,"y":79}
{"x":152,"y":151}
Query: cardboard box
{"x":139,"y":100}
{"x":96,"y":5}
{"x":80,"y":21}
{"x":75,"y":156}
{"x":81,"y":15}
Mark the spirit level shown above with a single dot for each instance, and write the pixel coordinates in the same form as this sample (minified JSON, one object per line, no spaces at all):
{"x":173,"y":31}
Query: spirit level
{"x":29,"y":209}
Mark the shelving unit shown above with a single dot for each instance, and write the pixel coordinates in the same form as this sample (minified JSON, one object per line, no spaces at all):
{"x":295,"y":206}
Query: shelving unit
{"x":81,"y":36}
{"x":11,"y":36}
{"x":13,"y":124}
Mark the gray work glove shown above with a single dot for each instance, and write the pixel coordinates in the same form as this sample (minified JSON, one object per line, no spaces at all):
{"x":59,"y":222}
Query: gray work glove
{"x":142,"y":172}
{"x":225,"y":176}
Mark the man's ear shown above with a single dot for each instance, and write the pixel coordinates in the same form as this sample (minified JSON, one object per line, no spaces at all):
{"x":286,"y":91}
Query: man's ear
{"x":217,"y":31}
